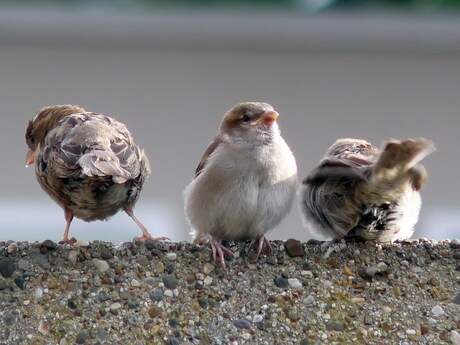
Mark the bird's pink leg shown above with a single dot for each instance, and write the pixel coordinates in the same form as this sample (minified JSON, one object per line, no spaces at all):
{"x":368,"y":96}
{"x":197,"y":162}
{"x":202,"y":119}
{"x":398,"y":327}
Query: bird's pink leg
{"x":145,"y":233}
{"x":262,"y":241}
{"x":68,"y":214}
{"x":219,"y":250}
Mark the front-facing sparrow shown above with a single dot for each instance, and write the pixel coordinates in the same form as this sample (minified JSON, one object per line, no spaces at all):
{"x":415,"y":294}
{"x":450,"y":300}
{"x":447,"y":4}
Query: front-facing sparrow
{"x":361,"y":192}
{"x":245,"y":182}
{"x":88,"y":163}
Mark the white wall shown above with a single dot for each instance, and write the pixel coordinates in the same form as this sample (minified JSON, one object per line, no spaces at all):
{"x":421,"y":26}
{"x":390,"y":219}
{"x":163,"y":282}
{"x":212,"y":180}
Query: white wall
{"x":172,"y":98}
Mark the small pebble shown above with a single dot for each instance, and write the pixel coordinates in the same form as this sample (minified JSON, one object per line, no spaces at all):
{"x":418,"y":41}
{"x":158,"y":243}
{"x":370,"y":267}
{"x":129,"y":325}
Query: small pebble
{"x":20,"y":283}
{"x":208,"y":268}
{"x":437,"y":311}
{"x":43,"y":327}
{"x":416,"y":269}
{"x":307,"y":274}
{"x":207,"y":280}
{"x":49,"y":244}
{"x":424,"y":329}
{"x":12,"y":248}
{"x":9,"y":319}
{"x":160,"y":267}
{"x":133,"y":304}
{"x":347,"y":271}
{"x":295,"y":283}
{"x":434,"y":281}
{"x":106,"y":254}
{"x":455,"y":337}
{"x":156,"y":295}
{"x":82,"y":337}
{"x":149,"y":245}
{"x":101,"y":265}
{"x":242,"y":323}
{"x":155,"y":311}
{"x":73,"y":255}
{"x":281,"y":282}
{"x":357,"y":300}
{"x":173,"y":341}
{"x":169,"y":293}
{"x":103,"y":297}
{"x":294,"y":248}
{"x":81,"y":244}
{"x":171,"y":256}
{"x":170,"y":282}
{"x":257,"y":318}
{"x":432,"y":321}
{"x":386,"y":309}
{"x":309,"y":300}
{"x":456,"y":299}
{"x":7,"y":267}
{"x":38,"y":293}
{"x":135,"y":283}
{"x":102,"y":334}
{"x":116,"y":307}
{"x":455,"y":243}
{"x":150,"y":281}
{"x":23,"y":265}
{"x":370,"y":271}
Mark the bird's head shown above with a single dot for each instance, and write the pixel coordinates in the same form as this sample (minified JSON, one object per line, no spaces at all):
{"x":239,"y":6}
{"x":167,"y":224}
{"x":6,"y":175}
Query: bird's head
{"x":44,"y":121}
{"x":250,"y":122}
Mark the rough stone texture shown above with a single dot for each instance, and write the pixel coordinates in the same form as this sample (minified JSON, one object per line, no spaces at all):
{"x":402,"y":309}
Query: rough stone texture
{"x":356,"y":294}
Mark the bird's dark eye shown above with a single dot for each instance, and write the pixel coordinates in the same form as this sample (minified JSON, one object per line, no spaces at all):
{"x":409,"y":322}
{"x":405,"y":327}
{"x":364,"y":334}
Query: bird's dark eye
{"x":246,"y":118}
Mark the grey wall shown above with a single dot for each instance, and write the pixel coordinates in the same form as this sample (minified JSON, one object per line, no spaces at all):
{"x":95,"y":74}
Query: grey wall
{"x":172,"y":98}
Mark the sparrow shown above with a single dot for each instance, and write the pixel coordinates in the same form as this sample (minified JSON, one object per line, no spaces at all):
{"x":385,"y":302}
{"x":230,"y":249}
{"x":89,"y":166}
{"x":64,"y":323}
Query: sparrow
{"x":87,"y":163}
{"x":363,"y":193}
{"x":245,"y":183}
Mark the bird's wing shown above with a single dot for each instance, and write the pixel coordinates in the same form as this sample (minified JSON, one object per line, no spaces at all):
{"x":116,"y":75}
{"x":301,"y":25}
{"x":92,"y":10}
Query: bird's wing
{"x":94,"y":145}
{"x":330,"y":195}
{"x":211,"y":148}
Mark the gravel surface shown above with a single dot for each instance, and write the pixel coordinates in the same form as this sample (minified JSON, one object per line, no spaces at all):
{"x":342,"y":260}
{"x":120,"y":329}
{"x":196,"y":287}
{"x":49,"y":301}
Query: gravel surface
{"x":173,"y":293}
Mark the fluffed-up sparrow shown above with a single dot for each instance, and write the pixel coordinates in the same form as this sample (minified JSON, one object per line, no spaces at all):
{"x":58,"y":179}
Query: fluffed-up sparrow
{"x":87,"y":163}
{"x":245,"y":182}
{"x":361,"y":192}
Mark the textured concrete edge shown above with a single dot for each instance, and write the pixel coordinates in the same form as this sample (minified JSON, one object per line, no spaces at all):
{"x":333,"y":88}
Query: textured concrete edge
{"x":172,"y":293}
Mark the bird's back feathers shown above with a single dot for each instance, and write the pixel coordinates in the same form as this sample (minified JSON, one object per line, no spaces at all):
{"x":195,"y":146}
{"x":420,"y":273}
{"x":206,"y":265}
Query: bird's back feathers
{"x":358,"y":189}
{"x":93,"y":145}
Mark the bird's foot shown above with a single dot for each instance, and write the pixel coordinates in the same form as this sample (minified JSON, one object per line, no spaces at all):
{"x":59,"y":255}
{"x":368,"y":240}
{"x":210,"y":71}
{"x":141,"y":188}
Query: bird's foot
{"x":263,"y":245}
{"x":67,"y":240}
{"x":149,"y":237}
{"x":334,"y":245}
{"x":219,"y":251}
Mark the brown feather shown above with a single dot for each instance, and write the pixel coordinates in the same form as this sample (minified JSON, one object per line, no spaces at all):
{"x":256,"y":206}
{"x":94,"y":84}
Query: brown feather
{"x":211,"y":148}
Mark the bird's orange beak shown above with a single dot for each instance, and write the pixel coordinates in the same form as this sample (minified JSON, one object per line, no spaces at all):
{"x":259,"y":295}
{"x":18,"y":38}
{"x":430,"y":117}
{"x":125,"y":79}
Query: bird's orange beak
{"x":267,"y":118}
{"x":30,"y":158}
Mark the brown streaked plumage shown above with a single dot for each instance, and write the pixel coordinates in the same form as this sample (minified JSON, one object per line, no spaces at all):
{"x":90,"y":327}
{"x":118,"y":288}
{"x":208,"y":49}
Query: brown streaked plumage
{"x":87,"y":163}
{"x":361,"y":192}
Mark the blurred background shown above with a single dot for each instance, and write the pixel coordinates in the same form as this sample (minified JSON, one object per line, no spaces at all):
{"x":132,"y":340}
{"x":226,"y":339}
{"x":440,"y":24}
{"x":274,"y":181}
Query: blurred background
{"x":170,"y":69}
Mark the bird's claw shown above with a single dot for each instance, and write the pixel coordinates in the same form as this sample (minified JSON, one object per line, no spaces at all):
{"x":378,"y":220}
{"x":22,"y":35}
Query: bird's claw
{"x":67,"y":240}
{"x":262,"y":242}
{"x":219,"y":251}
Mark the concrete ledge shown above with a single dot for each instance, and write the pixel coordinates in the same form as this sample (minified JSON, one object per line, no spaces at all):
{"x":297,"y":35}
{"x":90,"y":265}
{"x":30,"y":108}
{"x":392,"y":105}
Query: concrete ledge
{"x":171,"y":293}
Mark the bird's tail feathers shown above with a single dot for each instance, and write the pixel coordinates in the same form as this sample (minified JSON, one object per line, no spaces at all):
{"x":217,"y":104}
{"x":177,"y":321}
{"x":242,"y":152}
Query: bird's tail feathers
{"x":98,"y":163}
{"x":399,"y":162}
